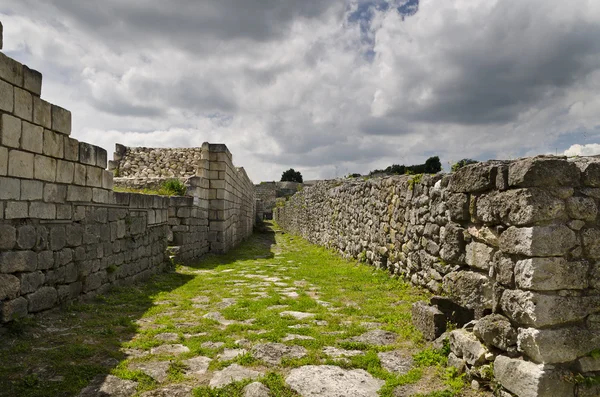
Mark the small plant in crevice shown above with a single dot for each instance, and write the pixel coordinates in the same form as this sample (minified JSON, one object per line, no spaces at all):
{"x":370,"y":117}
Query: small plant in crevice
{"x":173,"y":187}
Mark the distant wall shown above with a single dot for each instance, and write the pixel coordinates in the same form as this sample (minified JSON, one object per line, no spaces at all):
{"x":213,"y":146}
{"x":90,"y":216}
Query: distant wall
{"x":267,"y":194}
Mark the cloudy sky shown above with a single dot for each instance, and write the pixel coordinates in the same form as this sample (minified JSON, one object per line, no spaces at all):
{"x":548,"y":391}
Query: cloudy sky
{"x":328,"y":87}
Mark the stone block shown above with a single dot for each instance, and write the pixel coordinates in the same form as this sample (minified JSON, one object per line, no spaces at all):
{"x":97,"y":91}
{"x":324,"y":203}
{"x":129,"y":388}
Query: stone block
{"x":543,"y":171}
{"x":551,"y":240}
{"x":64,"y":211}
{"x":9,"y":286}
{"x":3,"y":161}
{"x":11,"y":70}
{"x":71,"y":149}
{"x":548,"y":274}
{"x":30,"y":282}
{"x":588,"y":364}
{"x":61,"y":120}
{"x":582,"y":208}
{"x":473,"y":178}
{"x":18,"y":261}
{"x":54,"y":144}
{"x":93,"y":177}
{"x":11,"y":131}
{"x":470,"y":289}
{"x":16,"y":210}
{"x":41,"y":112}
{"x":495,"y":330}
{"x":7,"y":97}
{"x":58,"y":238}
{"x":107,"y":180}
{"x":591,"y":243}
{"x":54,"y":193}
{"x":101,"y":157}
{"x":27,"y":237}
{"x":23,"y":104}
{"x":561,"y":345}
{"x":87,"y":153}
{"x":42,"y":299}
{"x":79,"y":193}
{"x":20,"y":164}
{"x":526,"y":379}
{"x":32,"y":137}
{"x":80,"y":172}
{"x":41,"y":210}
{"x":65,"y":171}
{"x":10,"y":189}
{"x":45,"y":168}
{"x":464,"y":344}
{"x":429,"y":320}
{"x":32,"y":190}
{"x":99,"y":196}
{"x":538,"y":310}
{"x":8,"y":237}
{"x":455,"y":313}
{"x":479,"y":255}
{"x":13,"y":309}
{"x":32,"y":81}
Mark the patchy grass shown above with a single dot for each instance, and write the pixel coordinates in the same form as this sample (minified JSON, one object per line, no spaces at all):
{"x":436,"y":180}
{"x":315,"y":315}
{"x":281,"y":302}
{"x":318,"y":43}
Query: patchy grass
{"x":60,"y":352}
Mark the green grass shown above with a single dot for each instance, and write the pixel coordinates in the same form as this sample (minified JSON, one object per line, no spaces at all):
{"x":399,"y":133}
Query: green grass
{"x":92,"y":335}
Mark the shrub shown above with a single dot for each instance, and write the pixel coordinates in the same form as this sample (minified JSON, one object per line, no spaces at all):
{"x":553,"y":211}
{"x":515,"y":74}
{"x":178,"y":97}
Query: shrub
{"x":457,"y":166}
{"x":173,"y":187}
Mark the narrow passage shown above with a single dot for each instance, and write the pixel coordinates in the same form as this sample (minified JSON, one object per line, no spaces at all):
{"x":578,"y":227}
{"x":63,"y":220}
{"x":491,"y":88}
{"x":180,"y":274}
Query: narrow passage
{"x":275,"y":317}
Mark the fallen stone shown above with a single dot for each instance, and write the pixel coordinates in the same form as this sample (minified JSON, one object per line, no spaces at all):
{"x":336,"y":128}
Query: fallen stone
{"x":290,"y":337}
{"x":196,"y":366}
{"x":233,"y":373}
{"x":167,"y":337}
{"x":376,"y":337}
{"x":173,"y":350}
{"x":429,"y":320}
{"x":464,"y":344}
{"x":256,"y":389}
{"x":456,"y":362}
{"x":332,"y":381}
{"x":212,"y":345}
{"x":396,"y":361}
{"x":109,"y":386}
{"x":171,"y":391}
{"x":218,"y":317}
{"x":272,"y":353}
{"x":297,"y":315}
{"x":157,"y":370}
{"x":230,"y":354}
{"x":334,"y":352}
{"x":496,"y":330}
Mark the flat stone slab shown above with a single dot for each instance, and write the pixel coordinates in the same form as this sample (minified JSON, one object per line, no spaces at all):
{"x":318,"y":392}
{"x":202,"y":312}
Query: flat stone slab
{"x":290,"y":337}
{"x":256,"y":389}
{"x":226,"y":302}
{"x":173,"y":350}
{"x":397,"y":361}
{"x":157,"y":370}
{"x":297,"y":315}
{"x":332,"y":381}
{"x":212,"y":345}
{"x":334,"y":352}
{"x":196,"y":366}
{"x":376,"y":337}
{"x":278,"y":307}
{"x":230,"y":354}
{"x":218,"y":317}
{"x":272,"y":353}
{"x":167,"y":337}
{"x":109,"y":386}
{"x":171,"y":391}
{"x":233,"y":373}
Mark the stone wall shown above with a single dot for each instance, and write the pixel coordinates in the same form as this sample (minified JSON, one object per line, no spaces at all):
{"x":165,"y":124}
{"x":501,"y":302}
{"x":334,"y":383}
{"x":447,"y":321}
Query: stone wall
{"x":513,"y":245}
{"x":267,"y":194}
{"x":64,"y":232}
{"x":142,"y":162}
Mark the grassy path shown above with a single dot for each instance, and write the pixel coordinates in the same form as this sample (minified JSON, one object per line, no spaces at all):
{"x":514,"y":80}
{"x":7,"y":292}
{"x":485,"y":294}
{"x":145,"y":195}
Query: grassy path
{"x":180,"y":331}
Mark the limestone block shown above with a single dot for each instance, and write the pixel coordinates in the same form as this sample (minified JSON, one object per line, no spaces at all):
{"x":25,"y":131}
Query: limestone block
{"x":547,"y":274}
{"x":543,"y":171}
{"x":591,"y":174}
{"x":11,"y":131}
{"x":495,"y":330}
{"x":61,"y":120}
{"x":53,"y":144}
{"x":93,"y":177}
{"x":473,"y":178}
{"x":452,"y":241}
{"x":101,"y":157}
{"x":7,"y":97}
{"x":30,"y":282}
{"x":16,"y":210}
{"x":23,"y":104}
{"x":80,"y":174}
{"x":9,"y":286}
{"x":551,"y":240}
{"x":584,"y":390}
{"x":32,"y":137}
{"x":555,"y":346}
{"x":479,"y":255}
{"x":588,"y":364}
{"x":41,"y":112}
{"x":9,"y":189}
{"x":3,"y":161}
{"x":64,"y":171}
{"x":32,"y":81}
{"x":526,"y":379}
{"x":107,"y":180}
{"x":20,"y":164}
{"x":41,"y":210}
{"x":54,"y":193}
{"x":582,"y":208}
{"x":71,"y":149}
{"x":42,"y":299}
{"x":470,"y":289}
{"x":27,"y":237}
{"x":18,"y":261}
{"x":591,"y":243}
{"x":45,"y":168}
{"x":87,"y":153}
{"x":8,"y":237}
{"x":464,"y":344}
{"x":99,"y":196}
{"x":539,"y":310}
{"x":58,"y":239}
{"x":79,"y":193}
{"x":11,"y":70}
{"x":429,"y":320}
{"x":10,"y":310}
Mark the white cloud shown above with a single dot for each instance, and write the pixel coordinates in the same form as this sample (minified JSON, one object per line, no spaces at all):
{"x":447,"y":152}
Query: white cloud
{"x":591,"y":149}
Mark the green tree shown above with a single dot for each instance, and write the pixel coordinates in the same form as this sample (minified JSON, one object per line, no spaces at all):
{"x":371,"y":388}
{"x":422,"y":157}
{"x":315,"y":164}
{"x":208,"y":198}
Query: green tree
{"x":457,"y":166}
{"x":433,"y":165}
{"x":291,"y":175}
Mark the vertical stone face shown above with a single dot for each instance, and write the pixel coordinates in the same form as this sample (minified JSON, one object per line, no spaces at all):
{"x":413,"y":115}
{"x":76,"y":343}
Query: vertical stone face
{"x":61,"y":120}
{"x":20,"y":164}
{"x":23,"y":104}
{"x":7,"y":98}
{"x":32,"y":81}
{"x":32,"y":138}
{"x":11,"y":131}
{"x":42,"y":113}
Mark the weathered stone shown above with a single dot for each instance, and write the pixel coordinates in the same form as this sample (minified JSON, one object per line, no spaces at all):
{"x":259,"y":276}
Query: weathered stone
{"x":44,"y":298}
{"x":233,"y":373}
{"x":429,"y":320}
{"x":560,"y":345}
{"x":376,"y":337}
{"x":157,"y":370}
{"x":12,"y":309}
{"x":473,"y":178}
{"x":61,"y":120}
{"x":588,"y":364}
{"x":167,"y":337}
{"x":396,"y":361}
{"x":591,"y":243}
{"x":20,"y":164}
{"x":543,"y":171}
{"x":230,"y":354}
{"x":23,"y":104}
{"x":456,"y":362}
{"x":173,"y":350}
{"x":272,"y":353}
{"x":527,"y":379}
{"x":479,"y":255}
{"x":495,"y":330}
{"x":452,"y":239}
{"x":30,"y":282}
{"x":464,"y":344}
{"x":297,"y":315}
{"x":547,"y":274}
{"x":8,"y":237}
{"x":470,"y":289}
{"x":332,"y":381}
{"x":7,"y":97}
{"x":32,"y":138}
{"x":334,"y":352}
{"x":9,"y":286}
{"x":41,"y":112}
{"x":584,"y":390}
{"x":109,"y":386}
{"x":552,"y":240}
{"x":17,"y":261}
{"x":582,"y":208}
{"x":455,"y":313}
{"x":53,"y":144}
{"x":196,"y":366}
{"x":256,"y":389}
{"x":175,"y":390}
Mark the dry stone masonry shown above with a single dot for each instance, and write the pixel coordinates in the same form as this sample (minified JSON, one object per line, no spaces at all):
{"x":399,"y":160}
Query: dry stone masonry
{"x":513,"y":245}
{"x":64,"y":232}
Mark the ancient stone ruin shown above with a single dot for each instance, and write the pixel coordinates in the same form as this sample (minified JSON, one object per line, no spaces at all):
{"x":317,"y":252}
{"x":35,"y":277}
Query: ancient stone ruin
{"x":513,"y":245}
{"x":64,"y":232}
{"x":267,"y":194}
